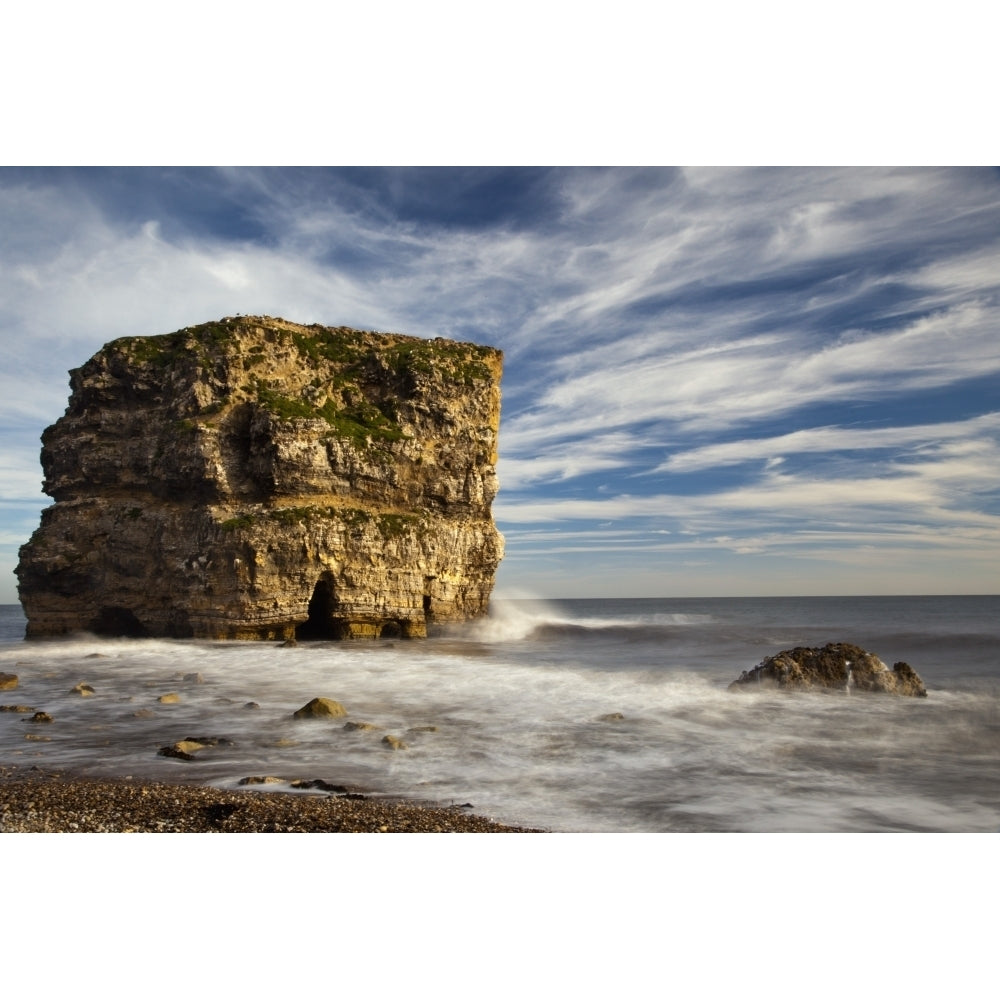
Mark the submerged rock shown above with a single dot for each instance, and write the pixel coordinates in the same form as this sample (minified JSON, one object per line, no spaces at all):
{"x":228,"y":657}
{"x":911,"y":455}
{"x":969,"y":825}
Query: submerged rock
{"x":320,"y":708}
{"x":836,"y":666}
{"x":8,"y":682}
{"x":184,"y":747}
{"x":394,"y":743}
{"x":254,"y":478}
{"x":83,"y":689}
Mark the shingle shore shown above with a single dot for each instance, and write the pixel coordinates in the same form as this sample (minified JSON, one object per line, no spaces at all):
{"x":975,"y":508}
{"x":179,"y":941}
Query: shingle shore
{"x":32,"y":801}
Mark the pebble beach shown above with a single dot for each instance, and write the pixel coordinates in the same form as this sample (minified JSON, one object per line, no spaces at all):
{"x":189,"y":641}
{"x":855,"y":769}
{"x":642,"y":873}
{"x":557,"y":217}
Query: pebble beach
{"x":37,"y":801}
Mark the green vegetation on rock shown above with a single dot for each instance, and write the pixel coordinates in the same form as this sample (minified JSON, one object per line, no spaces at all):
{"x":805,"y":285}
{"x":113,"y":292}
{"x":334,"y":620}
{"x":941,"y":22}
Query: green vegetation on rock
{"x":388,"y":525}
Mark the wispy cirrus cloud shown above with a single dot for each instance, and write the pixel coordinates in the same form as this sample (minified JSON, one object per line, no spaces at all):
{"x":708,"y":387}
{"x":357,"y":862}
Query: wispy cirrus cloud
{"x":968,"y":433}
{"x":751,"y":355}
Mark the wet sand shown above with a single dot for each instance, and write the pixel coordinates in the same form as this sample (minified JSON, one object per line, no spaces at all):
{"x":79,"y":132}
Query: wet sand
{"x":36,"y":801}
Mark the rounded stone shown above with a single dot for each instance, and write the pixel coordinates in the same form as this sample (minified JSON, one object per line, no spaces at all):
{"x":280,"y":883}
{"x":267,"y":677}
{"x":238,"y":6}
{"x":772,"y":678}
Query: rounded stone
{"x":320,"y":708}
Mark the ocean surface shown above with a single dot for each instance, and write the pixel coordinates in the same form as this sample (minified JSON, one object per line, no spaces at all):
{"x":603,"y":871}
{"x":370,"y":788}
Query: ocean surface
{"x":506,"y":714}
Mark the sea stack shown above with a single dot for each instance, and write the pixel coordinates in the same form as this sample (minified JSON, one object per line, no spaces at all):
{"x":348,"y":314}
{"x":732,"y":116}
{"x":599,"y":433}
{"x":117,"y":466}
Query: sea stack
{"x":253,"y":478}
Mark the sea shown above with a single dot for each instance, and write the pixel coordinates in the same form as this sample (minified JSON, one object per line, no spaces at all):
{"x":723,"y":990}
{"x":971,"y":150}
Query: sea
{"x":601,"y":715}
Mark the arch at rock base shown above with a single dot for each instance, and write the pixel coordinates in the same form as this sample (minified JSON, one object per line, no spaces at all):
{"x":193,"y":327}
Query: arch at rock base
{"x":327,"y":620}
{"x":118,"y":622}
{"x":322,"y":622}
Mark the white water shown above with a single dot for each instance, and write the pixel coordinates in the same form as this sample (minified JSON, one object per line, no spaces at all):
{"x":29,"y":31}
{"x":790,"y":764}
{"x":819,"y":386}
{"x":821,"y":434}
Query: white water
{"x":516,"y":701}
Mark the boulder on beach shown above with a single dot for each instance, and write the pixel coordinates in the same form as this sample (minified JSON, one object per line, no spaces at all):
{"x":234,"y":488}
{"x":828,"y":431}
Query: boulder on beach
{"x":320,"y":708}
{"x":835,"y":666}
{"x":8,"y":682}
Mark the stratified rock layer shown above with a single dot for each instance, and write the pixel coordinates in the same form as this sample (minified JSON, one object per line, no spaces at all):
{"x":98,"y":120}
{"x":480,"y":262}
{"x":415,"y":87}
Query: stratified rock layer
{"x":838,"y":666}
{"x":258,"y":479}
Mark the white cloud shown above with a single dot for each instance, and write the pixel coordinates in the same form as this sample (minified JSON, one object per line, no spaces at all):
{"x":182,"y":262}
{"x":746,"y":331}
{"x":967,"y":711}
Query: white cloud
{"x":829,"y":439}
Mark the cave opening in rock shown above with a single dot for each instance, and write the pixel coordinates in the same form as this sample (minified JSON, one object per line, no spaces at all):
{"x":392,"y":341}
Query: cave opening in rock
{"x":391,"y":630}
{"x":322,"y":606}
{"x":118,"y":622}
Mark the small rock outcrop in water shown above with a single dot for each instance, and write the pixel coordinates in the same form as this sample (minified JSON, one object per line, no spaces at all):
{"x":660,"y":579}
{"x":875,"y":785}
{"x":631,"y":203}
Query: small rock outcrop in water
{"x":320,"y":708}
{"x":8,"y":682}
{"x":839,"y":666}
{"x":258,"y":479}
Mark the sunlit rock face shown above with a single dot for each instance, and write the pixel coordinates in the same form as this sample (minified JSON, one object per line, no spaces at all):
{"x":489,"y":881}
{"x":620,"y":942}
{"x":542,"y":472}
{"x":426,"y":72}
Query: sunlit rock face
{"x":253,"y":478}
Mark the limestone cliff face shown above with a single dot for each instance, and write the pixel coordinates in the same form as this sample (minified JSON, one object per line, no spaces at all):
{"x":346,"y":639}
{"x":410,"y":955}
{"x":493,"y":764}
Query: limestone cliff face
{"x":258,"y":479}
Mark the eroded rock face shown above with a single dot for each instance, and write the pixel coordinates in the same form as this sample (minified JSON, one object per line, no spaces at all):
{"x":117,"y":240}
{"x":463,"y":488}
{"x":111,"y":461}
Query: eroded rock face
{"x":838,"y":666}
{"x":258,"y":479}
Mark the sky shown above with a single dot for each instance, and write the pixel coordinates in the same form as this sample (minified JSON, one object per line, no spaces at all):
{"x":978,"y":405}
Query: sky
{"x":717,"y":382}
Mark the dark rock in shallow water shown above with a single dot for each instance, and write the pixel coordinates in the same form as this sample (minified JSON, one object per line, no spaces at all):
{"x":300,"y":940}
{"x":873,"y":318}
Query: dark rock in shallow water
{"x":184,"y":750}
{"x":211,"y":741}
{"x":837,"y":666}
{"x":323,"y":786}
{"x":8,"y":682}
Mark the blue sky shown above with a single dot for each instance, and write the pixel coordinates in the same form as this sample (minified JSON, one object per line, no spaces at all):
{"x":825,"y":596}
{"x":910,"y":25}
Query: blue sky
{"x":717,"y":381}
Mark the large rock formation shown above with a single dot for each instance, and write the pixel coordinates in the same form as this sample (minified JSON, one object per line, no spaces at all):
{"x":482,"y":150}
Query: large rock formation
{"x":839,"y":666}
{"x":258,"y":479}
